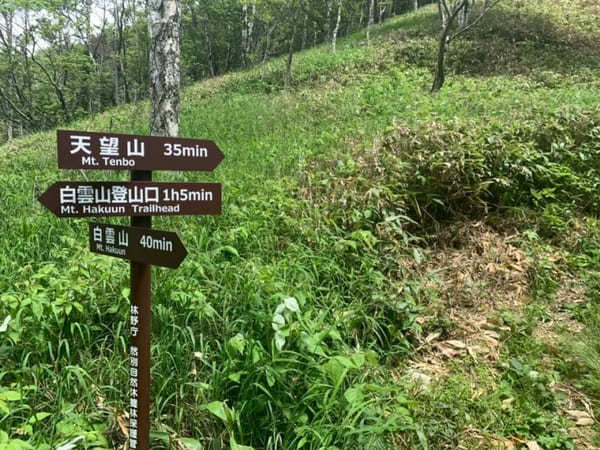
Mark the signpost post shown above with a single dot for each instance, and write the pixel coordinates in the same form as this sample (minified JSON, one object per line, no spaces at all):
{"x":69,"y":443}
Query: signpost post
{"x":141,"y":199}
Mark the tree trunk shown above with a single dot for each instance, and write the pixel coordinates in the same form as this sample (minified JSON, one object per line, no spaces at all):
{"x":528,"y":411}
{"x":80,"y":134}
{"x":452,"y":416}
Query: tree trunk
{"x":382,"y":9}
{"x":463,"y":15}
{"x":250,"y":31}
{"x":305,"y":31}
{"x":443,"y":14}
{"x":337,"y":26}
{"x":443,"y":47}
{"x":288,"y":71}
{"x":328,"y":19}
{"x":209,"y":51}
{"x":244,"y":34}
{"x":164,"y":23}
{"x":8,"y":23}
{"x":371,"y":21}
{"x":415,"y":5}
{"x":266,"y":52}
{"x":361,"y":20}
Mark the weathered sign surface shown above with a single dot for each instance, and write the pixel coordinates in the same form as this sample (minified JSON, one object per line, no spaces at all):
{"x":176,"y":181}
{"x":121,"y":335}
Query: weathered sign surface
{"x":144,"y":245}
{"x":138,"y":198}
{"x":84,"y":150}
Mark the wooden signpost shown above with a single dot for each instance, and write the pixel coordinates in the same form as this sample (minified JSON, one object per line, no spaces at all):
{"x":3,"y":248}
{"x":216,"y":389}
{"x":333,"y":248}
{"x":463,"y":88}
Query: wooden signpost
{"x":141,"y":199}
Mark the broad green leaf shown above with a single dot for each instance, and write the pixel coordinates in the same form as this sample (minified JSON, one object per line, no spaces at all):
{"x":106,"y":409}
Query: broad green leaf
{"x":10,"y":396}
{"x":220,"y":410}
{"x":191,"y":444}
{"x":237,"y":343}
{"x":278,"y":322}
{"x":229,"y":249}
{"x":5,"y":323}
{"x":235,"y":377}
{"x":291,"y":304}
{"x":39,"y":417}
{"x":358,"y":359}
{"x":236,"y":446}
{"x":279,"y":340}
{"x":18,"y":444}
{"x":335,"y":369}
{"x":354,"y":395}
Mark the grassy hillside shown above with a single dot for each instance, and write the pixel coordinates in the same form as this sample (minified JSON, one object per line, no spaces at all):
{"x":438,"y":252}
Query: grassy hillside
{"x":391,"y":270}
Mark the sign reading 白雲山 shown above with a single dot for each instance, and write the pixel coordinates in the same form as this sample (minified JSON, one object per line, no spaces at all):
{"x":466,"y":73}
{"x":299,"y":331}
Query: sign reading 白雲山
{"x":143,"y":245}
{"x":84,"y":150}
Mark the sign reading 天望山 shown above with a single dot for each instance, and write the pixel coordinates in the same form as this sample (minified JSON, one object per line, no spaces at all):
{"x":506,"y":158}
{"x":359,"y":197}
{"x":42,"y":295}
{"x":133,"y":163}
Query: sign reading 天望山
{"x":85,"y":150}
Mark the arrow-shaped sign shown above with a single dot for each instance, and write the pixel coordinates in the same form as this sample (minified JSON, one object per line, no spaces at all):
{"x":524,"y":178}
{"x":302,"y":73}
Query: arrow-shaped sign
{"x":143,"y":245}
{"x":85,"y":150}
{"x":95,"y":199}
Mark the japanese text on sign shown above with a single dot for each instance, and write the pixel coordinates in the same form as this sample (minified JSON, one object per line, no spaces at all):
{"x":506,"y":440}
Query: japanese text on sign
{"x":68,"y":199}
{"x":85,"y":150}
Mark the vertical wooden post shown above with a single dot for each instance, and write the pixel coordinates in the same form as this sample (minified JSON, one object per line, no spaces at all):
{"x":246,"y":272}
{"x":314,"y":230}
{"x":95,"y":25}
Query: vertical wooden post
{"x":141,"y":324}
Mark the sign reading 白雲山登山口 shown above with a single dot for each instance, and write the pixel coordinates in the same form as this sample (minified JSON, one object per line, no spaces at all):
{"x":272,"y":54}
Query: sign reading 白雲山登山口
{"x":111,"y":199}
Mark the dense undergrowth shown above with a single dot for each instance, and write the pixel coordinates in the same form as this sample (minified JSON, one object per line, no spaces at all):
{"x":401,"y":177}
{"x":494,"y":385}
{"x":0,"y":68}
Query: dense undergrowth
{"x":285,"y":324}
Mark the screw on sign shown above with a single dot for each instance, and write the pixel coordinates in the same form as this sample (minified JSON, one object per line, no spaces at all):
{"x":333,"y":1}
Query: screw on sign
{"x":141,"y":199}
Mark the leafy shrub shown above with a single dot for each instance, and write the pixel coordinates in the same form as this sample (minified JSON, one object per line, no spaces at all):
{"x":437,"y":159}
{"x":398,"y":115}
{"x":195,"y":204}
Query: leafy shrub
{"x":438,"y":172}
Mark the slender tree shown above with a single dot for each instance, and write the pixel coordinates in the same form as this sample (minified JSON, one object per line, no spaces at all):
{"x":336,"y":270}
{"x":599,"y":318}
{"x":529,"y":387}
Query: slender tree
{"x":336,"y":30}
{"x":295,"y":6}
{"x":449,"y":11}
{"x":371,"y":21}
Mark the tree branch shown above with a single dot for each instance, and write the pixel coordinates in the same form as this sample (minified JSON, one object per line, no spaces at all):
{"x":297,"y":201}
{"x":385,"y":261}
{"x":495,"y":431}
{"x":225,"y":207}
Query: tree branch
{"x":486,"y":8}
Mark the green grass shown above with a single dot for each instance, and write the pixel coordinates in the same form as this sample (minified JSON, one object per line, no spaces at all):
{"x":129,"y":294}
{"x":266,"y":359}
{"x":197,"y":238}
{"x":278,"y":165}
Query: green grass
{"x":306,"y":217}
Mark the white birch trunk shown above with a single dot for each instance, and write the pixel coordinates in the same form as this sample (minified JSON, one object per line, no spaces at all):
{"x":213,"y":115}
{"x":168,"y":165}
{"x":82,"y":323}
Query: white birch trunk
{"x":382,"y":14}
{"x":371,"y":21}
{"x":244,"y":32}
{"x":8,"y":24}
{"x":164,"y":23}
{"x":305,"y":31}
{"x":329,"y":8}
{"x":442,"y":6}
{"x":337,"y":26}
{"x":250,"y":31}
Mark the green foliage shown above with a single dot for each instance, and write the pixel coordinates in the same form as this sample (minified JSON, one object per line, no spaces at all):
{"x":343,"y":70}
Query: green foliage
{"x":438,"y":173}
{"x":286,"y":325}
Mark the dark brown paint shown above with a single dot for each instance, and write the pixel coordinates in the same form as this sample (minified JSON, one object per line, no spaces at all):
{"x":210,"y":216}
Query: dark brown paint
{"x":154,"y":158}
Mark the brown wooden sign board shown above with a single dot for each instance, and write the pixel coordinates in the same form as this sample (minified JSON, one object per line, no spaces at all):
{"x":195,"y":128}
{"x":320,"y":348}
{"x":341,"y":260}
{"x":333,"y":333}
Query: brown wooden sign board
{"x":111,"y":199}
{"x":112,"y":151}
{"x":143,"y":245}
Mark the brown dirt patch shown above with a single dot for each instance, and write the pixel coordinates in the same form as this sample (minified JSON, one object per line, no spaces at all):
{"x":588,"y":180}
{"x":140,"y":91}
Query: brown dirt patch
{"x":477,"y":272}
